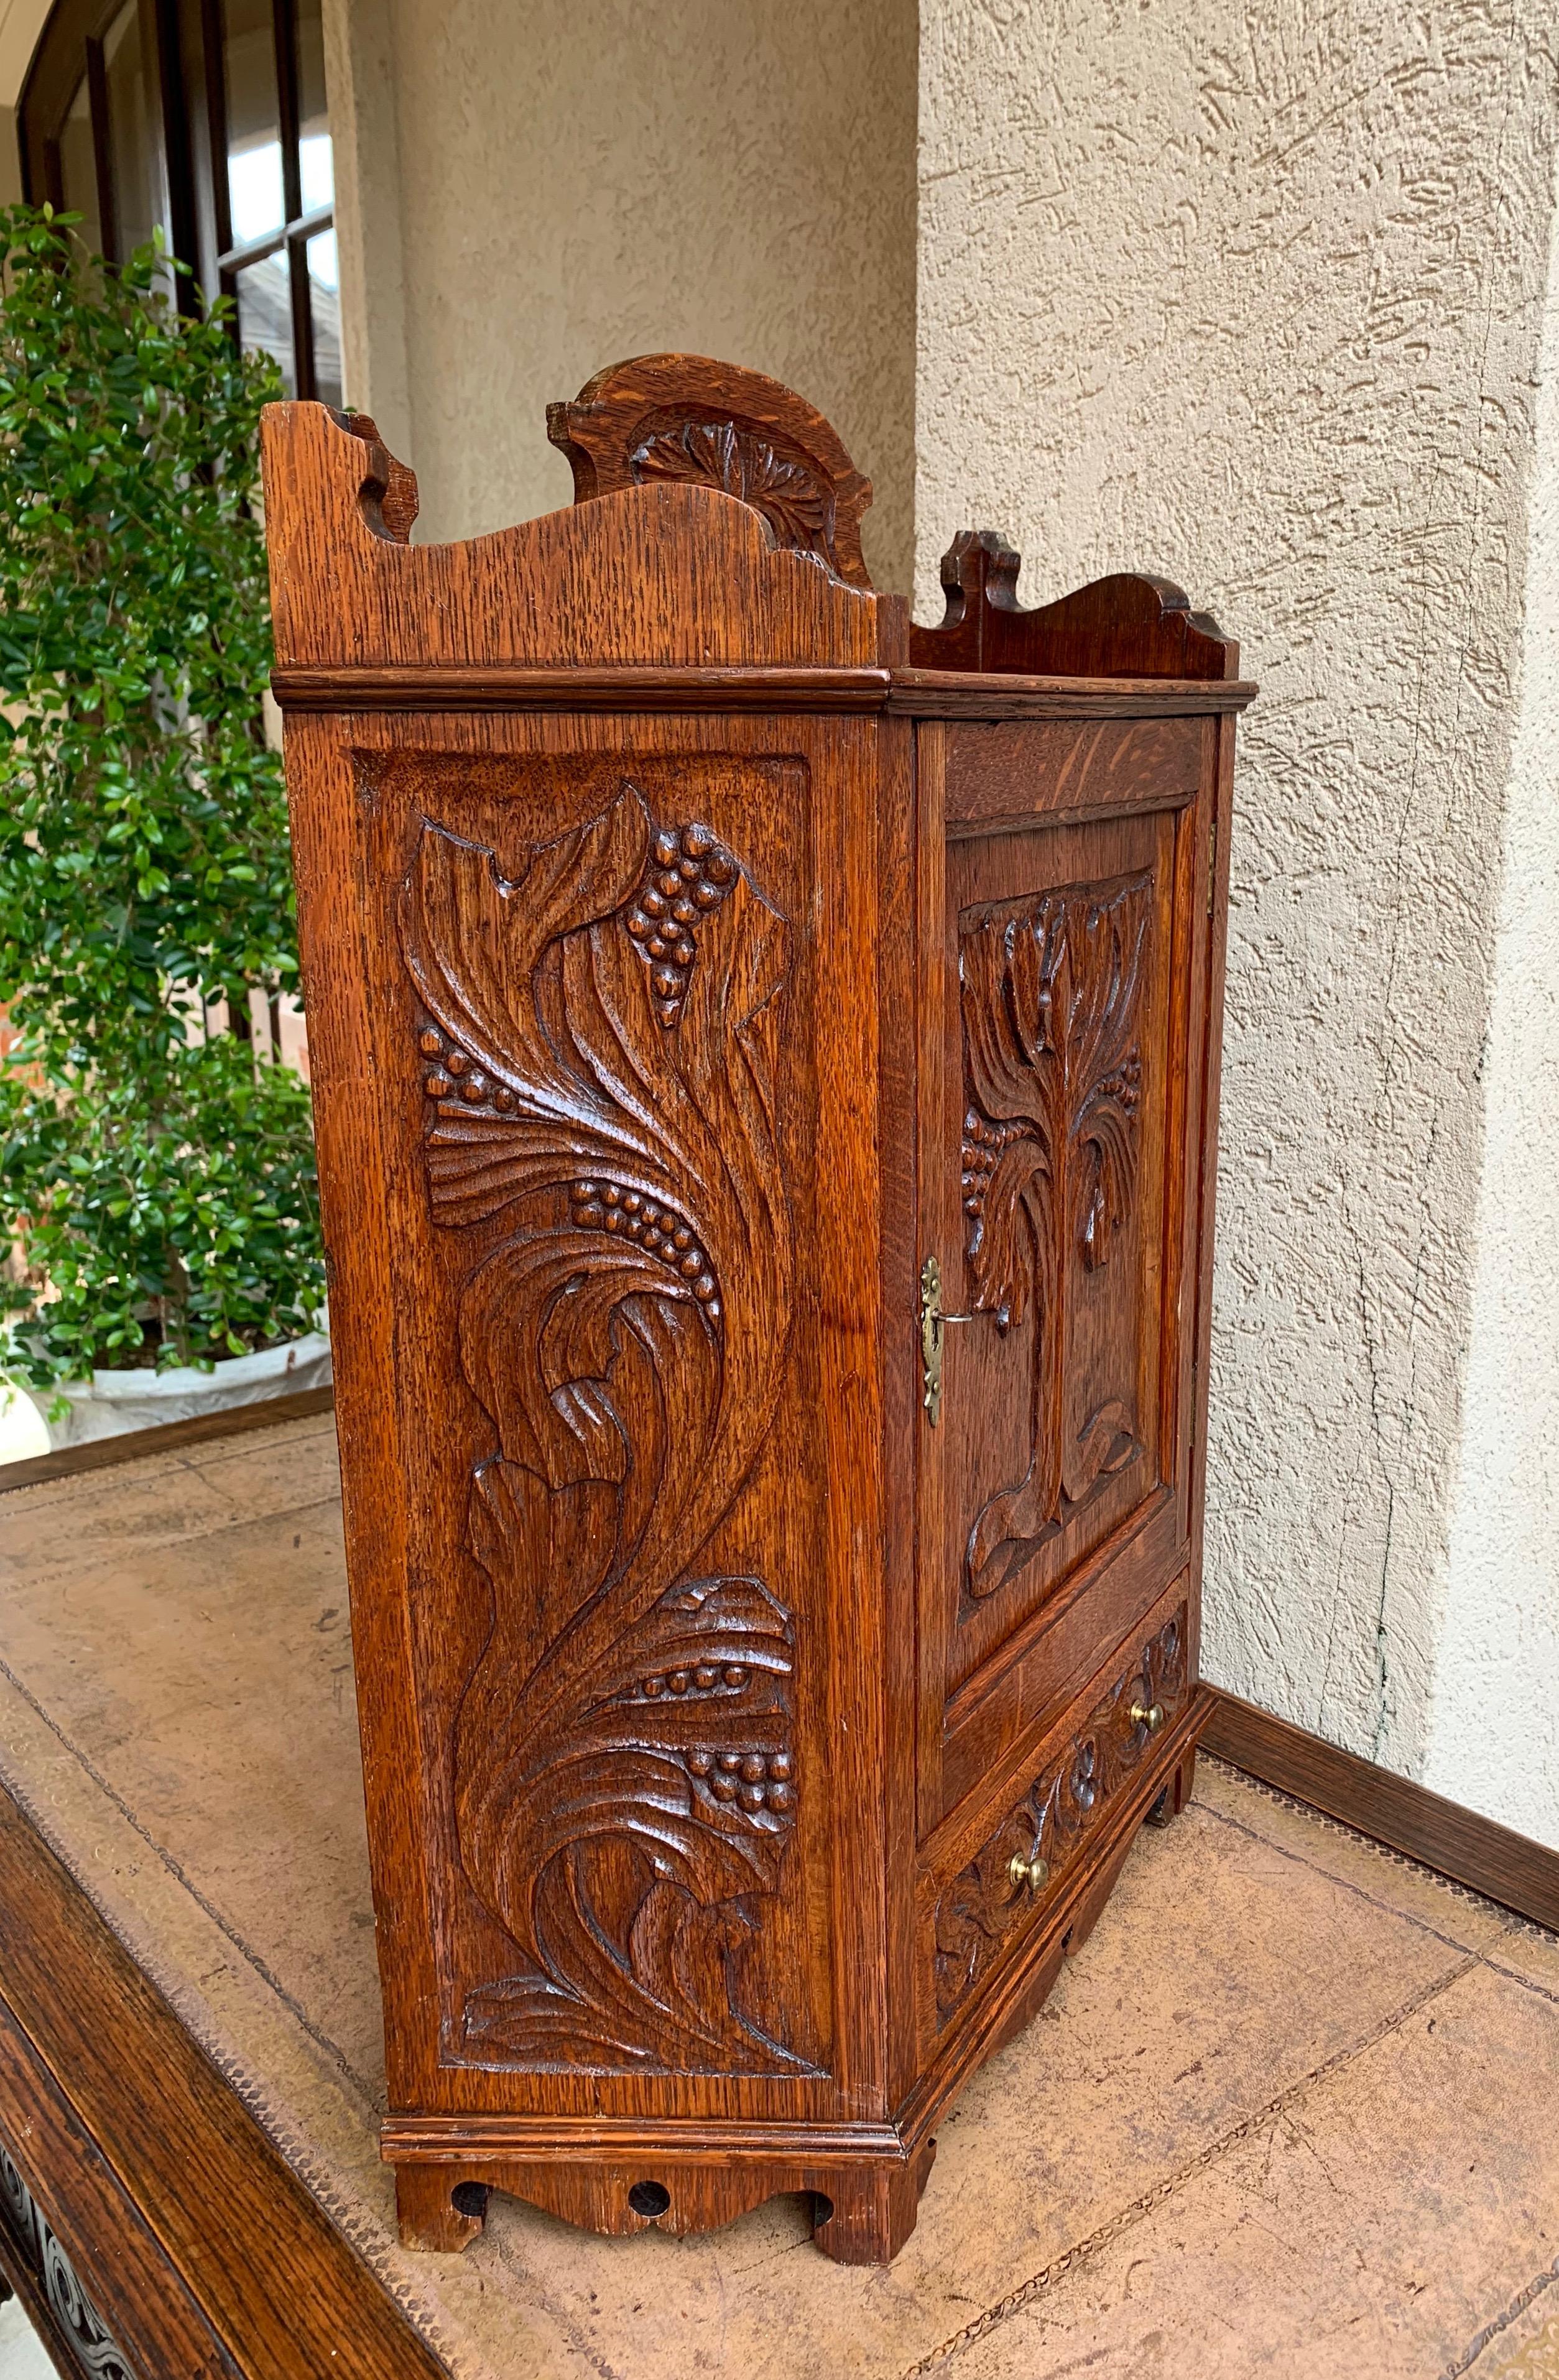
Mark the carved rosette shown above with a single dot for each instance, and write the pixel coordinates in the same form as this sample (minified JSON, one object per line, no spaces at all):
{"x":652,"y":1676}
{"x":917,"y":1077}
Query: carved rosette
{"x":1051,"y":990}
{"x":624,"y":1778}
{"x":983,"y":1909}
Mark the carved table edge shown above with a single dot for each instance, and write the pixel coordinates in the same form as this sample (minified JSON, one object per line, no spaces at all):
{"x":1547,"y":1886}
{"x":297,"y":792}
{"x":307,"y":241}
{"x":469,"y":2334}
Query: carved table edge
{"x":462,"y":687}
{"x":435,"y":2139}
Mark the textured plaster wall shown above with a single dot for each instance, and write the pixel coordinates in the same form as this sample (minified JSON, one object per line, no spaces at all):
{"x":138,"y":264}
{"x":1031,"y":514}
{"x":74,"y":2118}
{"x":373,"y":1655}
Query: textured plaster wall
{"x":1251,"y":295}
{"x":1497,"y":1676}
{"x":542,"y":189}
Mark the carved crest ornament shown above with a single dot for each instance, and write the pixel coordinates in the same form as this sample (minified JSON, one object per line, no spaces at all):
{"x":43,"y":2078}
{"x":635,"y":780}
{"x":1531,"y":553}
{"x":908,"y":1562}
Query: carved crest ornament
{"x":1051,"y":990}
{"x":600,"y":1043}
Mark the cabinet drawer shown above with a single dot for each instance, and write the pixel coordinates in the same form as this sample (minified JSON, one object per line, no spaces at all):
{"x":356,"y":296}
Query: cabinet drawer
{"x":979,"y":1905}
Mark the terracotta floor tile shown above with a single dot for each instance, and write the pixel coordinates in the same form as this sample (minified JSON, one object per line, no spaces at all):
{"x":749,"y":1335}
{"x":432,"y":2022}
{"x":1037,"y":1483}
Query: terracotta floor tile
{"x":1376,"y":2226}
{"x":1352,"y":1858}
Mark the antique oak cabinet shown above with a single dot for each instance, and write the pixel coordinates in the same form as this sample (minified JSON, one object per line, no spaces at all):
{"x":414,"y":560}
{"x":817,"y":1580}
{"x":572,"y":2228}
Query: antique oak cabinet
{"x":765,"y":1062}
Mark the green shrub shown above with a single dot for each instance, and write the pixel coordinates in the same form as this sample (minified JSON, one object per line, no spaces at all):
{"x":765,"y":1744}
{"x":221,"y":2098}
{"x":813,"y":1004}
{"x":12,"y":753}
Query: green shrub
{"x":157,"y":1184}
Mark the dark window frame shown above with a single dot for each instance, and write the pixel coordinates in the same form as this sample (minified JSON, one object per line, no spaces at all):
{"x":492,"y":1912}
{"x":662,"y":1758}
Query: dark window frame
{"x":193,"y":139}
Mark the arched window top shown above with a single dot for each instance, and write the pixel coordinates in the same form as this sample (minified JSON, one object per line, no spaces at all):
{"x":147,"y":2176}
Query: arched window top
{"x":209,"y":118}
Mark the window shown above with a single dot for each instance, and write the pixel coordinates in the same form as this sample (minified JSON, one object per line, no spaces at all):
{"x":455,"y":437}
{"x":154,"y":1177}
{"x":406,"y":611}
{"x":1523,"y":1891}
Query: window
{"x":208,"y":117}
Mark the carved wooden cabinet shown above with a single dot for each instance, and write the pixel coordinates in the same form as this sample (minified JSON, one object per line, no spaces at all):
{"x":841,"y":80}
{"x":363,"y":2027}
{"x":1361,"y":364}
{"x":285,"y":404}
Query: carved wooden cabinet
{"x":765,"y":1062}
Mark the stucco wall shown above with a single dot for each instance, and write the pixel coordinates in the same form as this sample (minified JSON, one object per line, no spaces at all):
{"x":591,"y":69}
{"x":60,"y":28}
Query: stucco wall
{"x":1251,"y":295}
{"x":575,"y":181}
{"x":1494,"y":1734}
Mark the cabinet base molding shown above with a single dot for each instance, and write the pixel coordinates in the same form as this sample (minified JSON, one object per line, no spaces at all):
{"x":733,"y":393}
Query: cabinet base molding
{"x":1459,"y":1844}
{"x":864,"y":2206}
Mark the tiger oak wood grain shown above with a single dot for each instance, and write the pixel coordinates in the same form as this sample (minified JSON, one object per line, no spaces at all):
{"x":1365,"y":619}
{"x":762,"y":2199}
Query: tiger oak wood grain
{"x":685,"y":970}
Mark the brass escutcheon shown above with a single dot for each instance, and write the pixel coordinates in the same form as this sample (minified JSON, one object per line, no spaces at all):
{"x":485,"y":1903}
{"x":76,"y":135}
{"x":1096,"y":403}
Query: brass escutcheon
{"x":933,"y":1324}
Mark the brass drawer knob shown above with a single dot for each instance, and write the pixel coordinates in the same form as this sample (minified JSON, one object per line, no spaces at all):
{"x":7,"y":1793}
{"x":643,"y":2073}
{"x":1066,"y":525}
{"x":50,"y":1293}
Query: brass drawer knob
{"x":1148,"y":1714}
{"x":1033,"y":1872}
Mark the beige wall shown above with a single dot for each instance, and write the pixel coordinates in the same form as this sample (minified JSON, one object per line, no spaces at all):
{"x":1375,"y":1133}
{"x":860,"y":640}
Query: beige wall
{"x":1250,"y":294}
{"x":536,"y":190}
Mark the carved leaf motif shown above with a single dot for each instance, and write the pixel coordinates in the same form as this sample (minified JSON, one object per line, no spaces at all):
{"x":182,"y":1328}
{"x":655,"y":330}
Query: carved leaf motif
{"x":1049,"y":996}
{"x":741,"y":461}
{"x":623,"y":1757}
{"x":983,"y":1908}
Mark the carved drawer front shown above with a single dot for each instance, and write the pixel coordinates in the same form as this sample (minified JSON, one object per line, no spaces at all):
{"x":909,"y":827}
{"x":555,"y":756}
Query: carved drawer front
{"x":1002,"y":1895}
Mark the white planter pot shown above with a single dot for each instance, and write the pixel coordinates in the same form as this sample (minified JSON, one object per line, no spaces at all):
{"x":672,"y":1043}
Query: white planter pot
{"x":111,"y":1401}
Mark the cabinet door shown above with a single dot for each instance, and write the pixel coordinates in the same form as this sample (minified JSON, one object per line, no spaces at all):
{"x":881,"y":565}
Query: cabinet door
{"x":1063,"y":899}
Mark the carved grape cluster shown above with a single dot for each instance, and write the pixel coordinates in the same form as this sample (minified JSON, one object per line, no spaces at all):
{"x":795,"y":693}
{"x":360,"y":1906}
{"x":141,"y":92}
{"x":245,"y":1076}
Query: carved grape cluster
{"x":983,"y":1143}
{"x":690,"y":876}
{"x":705,"y":1677}
{"x":756,"y":1780}
{"x":627,"y":1214}
{"x":454,"y":1073}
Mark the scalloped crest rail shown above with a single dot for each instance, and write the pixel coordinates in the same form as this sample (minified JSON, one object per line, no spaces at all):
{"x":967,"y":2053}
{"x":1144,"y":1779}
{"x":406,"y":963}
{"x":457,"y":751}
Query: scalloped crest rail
{"x":695,"y":949}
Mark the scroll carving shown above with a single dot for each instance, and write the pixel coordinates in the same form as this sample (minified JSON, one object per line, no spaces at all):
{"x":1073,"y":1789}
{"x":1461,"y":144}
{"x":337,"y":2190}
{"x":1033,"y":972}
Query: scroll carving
{"x":718,"y":426}
{"x":599,"y":1048}
{"x":1051,"y":990}
{"x":982,"y":1908}
{"x":94,"y":2347}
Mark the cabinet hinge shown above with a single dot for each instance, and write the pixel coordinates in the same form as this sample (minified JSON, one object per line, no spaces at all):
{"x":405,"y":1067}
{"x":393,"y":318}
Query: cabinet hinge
{"x":1213,"y":864}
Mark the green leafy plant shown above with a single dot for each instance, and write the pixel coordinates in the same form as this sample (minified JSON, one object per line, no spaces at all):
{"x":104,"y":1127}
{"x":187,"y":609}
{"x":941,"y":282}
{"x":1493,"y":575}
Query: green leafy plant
{"x":157,"y":1178}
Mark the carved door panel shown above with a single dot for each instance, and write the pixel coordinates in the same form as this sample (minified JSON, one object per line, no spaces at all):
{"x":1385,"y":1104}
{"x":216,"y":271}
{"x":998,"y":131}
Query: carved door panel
{"x":1053,"y":1168}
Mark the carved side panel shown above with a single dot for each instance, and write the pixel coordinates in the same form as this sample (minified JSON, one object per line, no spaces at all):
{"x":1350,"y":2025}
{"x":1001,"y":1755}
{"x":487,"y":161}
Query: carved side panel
{"x":984,"y":1907}
{"x":601,"y":1037}
{"x":1051,"y":989}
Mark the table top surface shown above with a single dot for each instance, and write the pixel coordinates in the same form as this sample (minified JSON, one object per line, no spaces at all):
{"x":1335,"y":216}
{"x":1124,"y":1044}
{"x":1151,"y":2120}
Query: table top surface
{"x":176,"y":1716}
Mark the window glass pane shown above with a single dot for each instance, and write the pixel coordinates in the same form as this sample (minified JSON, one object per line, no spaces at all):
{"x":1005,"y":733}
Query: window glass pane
{"x":317,"y":171}
{"x":135,"y":131}
{"x":78,"y":169}
{"x":264,"y":293}
{"x":324,"y":295}
{"x":254,"y":148}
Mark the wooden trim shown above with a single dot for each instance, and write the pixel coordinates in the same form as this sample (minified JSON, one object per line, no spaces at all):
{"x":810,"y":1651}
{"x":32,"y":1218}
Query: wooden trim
{"x":1486,"y":1857}
{"x":464,"y":689}
{"x":409,"y":2140}
{"x":230,"y":2225}
{"x":166,"y":1437}
{"x":922,"y":694}
{"x":966,"y":694}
